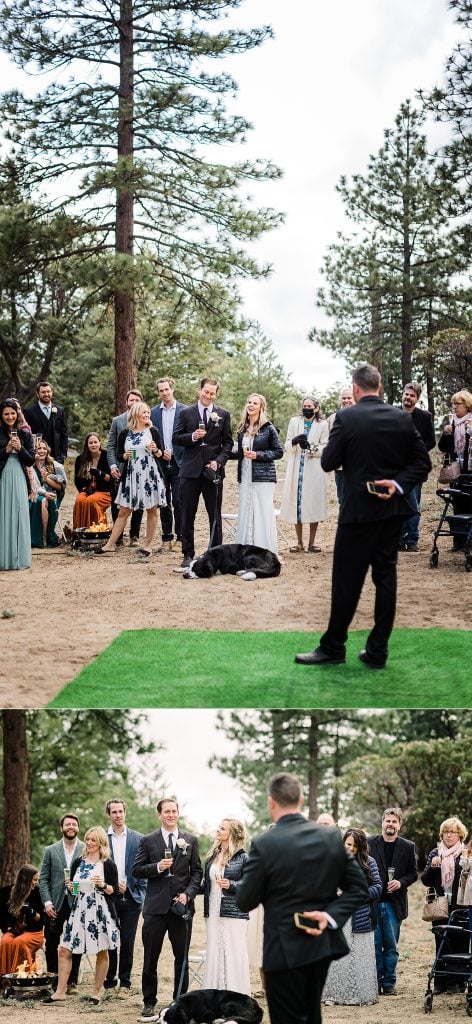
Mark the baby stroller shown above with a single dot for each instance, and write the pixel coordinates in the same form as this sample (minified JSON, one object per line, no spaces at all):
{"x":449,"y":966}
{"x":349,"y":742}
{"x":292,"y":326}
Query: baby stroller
{"x":456,"y":518}
{"x":455,"y":934}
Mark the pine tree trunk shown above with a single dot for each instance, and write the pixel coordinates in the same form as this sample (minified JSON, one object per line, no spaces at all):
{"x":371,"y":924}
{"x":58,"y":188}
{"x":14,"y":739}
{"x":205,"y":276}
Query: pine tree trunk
{"x":313,"y":768}
{"x":16,"y":842}
{"x":125,"y":323}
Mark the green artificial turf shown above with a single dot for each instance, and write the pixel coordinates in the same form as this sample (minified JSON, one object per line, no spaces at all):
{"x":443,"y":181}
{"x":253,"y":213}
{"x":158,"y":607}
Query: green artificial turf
{"x":191,"y":668}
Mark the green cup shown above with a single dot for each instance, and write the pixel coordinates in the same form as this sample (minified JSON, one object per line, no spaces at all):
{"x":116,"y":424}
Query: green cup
{"x":75,"y":888}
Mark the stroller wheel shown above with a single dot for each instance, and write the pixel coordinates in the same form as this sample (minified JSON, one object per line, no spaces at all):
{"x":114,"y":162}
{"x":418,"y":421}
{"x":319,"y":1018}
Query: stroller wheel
{"x":469,"y":1010}
{"x":468,"y":564}
{"x":434,"y":559}
{"x":428,"y":1002}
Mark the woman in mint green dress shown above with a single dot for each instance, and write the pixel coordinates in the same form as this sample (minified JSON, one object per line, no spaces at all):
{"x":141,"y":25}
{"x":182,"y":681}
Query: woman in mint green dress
{"x":16,"y":453}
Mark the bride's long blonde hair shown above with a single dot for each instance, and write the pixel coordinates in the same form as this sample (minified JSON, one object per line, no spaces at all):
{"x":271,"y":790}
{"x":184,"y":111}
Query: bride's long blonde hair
{"x":236,"y":841}
{"x":263,"y":417}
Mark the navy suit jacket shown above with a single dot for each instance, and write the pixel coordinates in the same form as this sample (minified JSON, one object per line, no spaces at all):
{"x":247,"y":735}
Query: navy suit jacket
{"x":374,"y":441}
{"x":156,"y":420}
{"x":136,"y":886}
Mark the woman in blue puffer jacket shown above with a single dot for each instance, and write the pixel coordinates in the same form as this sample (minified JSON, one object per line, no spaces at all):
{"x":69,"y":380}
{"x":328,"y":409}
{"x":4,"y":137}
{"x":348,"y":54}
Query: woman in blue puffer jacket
{"x":258,"y":446}
{"x":352,"y":981}
{"x":227,"y":962}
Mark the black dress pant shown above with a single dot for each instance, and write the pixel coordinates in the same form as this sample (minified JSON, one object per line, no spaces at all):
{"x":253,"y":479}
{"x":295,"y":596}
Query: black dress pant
{"x":190,"y":491}
{"x":294,"y":995}
{"x":52,"y":936}
{"x":128,"y":915}
{"x":155,"y":927}
{"x":358,"y":546}
{"x":170,"y":513}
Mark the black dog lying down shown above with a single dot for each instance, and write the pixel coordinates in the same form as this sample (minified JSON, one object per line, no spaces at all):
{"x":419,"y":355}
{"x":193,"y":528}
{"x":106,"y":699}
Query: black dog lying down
{"x":244,"y":560}
{"x":212,"y":1004}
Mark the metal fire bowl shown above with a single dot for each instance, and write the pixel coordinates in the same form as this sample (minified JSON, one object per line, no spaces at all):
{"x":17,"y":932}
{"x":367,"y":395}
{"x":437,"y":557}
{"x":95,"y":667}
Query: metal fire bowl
{"x":84,"y":535}
{"x":32,"y":981}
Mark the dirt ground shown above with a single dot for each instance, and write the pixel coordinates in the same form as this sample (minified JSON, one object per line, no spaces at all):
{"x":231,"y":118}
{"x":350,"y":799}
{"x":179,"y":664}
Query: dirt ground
{"x":416,"y":957}
{"x":68,"y":606}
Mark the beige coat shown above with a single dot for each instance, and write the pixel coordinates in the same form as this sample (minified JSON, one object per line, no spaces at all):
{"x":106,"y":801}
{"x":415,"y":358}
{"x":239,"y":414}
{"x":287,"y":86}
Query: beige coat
{"x":314,"y":505}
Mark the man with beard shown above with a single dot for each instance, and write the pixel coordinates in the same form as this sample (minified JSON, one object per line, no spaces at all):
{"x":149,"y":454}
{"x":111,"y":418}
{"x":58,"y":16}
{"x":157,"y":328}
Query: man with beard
{"x":57,"y":902}
{"x":396,"y":860}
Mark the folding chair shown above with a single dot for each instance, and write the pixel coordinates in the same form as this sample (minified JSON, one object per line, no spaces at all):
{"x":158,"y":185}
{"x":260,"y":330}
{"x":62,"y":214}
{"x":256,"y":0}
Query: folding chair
{"x":197,"y":967}
{"x":229,"y":522}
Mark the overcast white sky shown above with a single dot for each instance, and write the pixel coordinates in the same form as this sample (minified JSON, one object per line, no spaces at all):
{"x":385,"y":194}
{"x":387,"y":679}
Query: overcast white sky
{"x":320,"y":96}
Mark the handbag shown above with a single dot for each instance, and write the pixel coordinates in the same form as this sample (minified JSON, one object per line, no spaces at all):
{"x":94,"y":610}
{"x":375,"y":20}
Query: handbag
{"x":435,"y":908}
{"x":449,"y":471}
{"x":180,"y":910}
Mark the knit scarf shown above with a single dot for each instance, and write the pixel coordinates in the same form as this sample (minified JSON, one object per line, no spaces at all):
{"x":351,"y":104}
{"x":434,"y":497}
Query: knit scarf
{"x":460,"y":425}
{"x":448,"y":855}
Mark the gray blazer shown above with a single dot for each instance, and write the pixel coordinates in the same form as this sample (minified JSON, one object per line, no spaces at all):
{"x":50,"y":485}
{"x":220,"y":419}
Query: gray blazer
{"x":118,"y":424}
{"x":51,"y":874}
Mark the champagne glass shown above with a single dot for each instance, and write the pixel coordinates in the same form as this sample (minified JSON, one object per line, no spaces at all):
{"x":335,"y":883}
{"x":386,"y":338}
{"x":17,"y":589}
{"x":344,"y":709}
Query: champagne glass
{"x":123,"y":881}
{"x":168,"y":856}
{"x":66,"y":876}
{"x":391,"y":874}
{"x":201,"y":426}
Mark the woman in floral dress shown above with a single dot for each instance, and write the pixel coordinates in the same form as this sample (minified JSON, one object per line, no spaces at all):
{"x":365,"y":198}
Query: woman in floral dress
{"x":142,"y":484}
{"x":93,"y":924}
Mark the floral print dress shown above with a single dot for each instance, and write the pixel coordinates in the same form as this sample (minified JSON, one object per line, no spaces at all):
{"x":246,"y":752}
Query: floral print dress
{"x":90,"y":927}
{"x":144,"y":486}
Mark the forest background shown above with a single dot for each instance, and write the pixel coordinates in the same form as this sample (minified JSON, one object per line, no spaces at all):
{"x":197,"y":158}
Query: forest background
{"x":353,"y":763}
{"x":125,"y":234}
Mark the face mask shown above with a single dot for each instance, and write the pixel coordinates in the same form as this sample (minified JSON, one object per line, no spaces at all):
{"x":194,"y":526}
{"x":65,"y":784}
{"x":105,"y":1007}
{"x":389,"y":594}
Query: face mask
{"x":308,"y":413}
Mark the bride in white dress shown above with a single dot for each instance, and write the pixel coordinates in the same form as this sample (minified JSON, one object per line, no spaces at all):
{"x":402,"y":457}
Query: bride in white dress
{"x":227,"y":962}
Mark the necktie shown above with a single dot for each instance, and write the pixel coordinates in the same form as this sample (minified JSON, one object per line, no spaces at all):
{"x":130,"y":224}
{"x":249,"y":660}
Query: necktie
{"x":171,"y":843}
{"x":47,"y":412}
{"x":205,"y":418}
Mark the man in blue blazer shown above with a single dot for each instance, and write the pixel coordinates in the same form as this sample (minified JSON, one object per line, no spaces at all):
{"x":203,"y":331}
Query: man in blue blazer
{"x":164,"y":416}
{"x":124,"y":843}
{"x":299,"y":866}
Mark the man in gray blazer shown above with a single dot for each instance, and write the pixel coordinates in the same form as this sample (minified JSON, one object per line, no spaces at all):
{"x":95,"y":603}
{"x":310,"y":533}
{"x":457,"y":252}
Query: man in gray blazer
{"x":124,"y":843}
{"x":299,"y":866}
{"x":164,"y":416}
{"x":118,"y":424}
{"x":57,"y":903}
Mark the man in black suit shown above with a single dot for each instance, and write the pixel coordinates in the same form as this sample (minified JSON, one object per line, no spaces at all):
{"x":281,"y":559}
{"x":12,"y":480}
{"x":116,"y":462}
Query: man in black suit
{"x":299,"y":866}
{"x":124,"y":845}
{"x":373,"y":442}
{"x":396,"y":860}
{"x":170,"y":880}
{"x":164,"y":416}
{"x":423,"y":422}
{"x":49,"y":420}
{"x":206,"y":450}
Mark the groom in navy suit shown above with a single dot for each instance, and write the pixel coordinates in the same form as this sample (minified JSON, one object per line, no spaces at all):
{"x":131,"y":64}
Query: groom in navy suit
{"x":164,"y":416}
{"x":206,"y":449}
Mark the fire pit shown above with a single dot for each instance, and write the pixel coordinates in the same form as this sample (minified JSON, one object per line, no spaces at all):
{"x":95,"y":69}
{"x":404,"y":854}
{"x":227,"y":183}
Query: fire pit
{"x":27,"y":982}
{"x":85,"y":538}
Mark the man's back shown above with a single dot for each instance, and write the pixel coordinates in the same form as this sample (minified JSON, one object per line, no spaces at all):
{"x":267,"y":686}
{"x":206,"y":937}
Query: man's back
{"x":372,"y":440}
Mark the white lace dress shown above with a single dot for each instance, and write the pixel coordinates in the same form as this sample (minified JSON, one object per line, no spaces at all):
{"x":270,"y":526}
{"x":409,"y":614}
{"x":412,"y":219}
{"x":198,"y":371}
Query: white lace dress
{"x":352,"y":980}
{"x":256,"y":517}
{"x":227,"y":963}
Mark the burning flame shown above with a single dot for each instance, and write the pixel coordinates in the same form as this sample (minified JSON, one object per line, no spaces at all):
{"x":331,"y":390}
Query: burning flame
{"x":27,"y":970}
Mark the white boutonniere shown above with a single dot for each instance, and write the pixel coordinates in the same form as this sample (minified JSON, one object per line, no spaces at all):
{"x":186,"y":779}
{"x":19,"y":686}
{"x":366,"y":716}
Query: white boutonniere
{"x":182,"y":844}
{"x":215,"y":418}
{"x":54,"y":409}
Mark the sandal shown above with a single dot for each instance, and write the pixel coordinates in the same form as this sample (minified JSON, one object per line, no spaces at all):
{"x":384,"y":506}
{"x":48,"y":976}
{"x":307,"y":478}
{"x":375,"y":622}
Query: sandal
{"x":313,"y":548}
{"x":297,"y":547}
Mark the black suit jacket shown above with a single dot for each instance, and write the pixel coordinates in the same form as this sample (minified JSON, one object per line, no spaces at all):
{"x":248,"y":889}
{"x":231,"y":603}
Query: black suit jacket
{"x":423,"y":422}
{"x":54,"y":429}
{"x":374,"y":441}
{"x":406,"y":871}
{"x":161,"y":889}
{"x":218,"y":441}
{"x":299,"y":866}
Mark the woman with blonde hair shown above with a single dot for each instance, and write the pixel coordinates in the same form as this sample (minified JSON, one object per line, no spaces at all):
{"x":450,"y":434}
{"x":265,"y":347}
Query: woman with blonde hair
{"x":258,"y":446}
{"x":50,"y":484}
{"x":304,"y":499}
{"x":92,"y":926}
{"x":21,"y":920}
{"x":455,"y":438}
{"x":227,"y":962}
{"x":443,"y":873}
{"x":142,"y":485}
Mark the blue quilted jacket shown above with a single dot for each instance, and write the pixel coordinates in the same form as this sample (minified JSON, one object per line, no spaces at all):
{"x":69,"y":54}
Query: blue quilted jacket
{"x":364,"y":918}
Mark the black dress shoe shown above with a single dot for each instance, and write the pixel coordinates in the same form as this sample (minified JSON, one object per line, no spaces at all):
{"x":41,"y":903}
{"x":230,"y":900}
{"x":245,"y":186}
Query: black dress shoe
{"x":319,"y":657}
{"x":365,"y":657}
